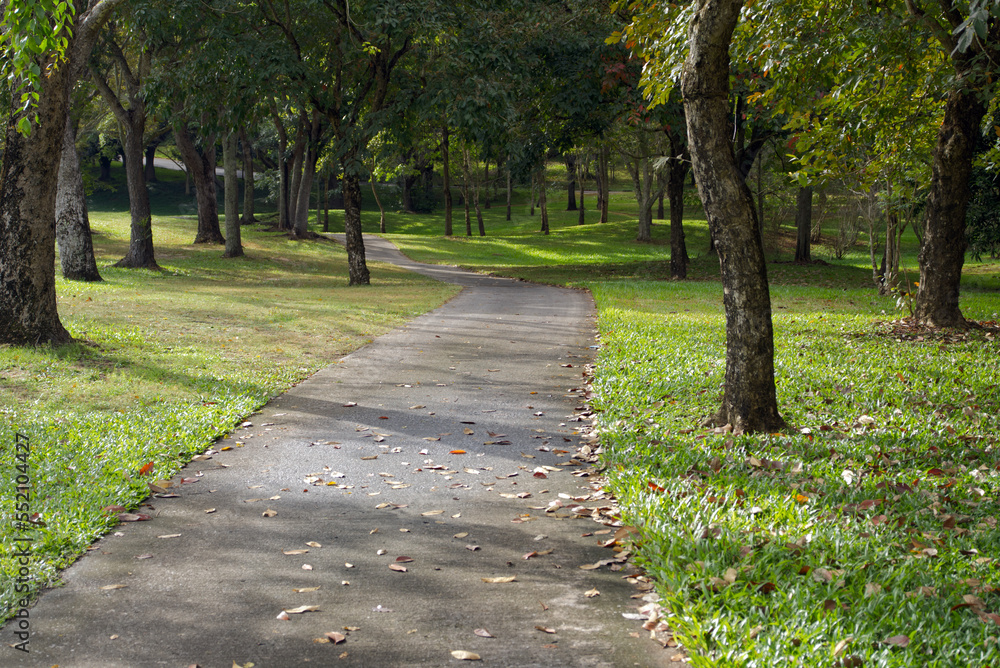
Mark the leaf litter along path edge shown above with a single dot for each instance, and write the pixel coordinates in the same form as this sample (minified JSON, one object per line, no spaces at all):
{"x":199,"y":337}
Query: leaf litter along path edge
{"x":385,"y":512}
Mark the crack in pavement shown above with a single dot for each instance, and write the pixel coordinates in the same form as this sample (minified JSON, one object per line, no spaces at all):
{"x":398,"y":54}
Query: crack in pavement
{"x":421,"y":445}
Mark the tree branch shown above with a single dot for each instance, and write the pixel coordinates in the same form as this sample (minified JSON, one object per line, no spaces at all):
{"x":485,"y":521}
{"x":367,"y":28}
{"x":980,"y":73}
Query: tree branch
{"x":943,"y":34}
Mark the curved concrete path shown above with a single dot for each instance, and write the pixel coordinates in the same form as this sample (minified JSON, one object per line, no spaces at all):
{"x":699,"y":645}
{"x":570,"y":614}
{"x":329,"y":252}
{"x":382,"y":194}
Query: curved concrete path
{"x":498,"y":364}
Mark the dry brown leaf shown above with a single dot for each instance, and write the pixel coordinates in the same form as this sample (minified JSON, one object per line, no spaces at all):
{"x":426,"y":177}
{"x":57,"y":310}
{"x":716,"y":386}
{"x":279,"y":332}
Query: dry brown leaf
{"x":108,"y":587}
{"x":170,"y":535}
{"x":432,"y":512}
{"x":591,"y":593}
{"x":545,"y":629}
{"x":398,"y":567}
{"x":483,"y":633}
{"x":269,"y":512}
{"x":303,"y":590}
{"x":897,"y":641}
{"x":293,"y":552}
{"x":313,"y":543}
{"x":335,"y":638}
{"x":502,"y":580}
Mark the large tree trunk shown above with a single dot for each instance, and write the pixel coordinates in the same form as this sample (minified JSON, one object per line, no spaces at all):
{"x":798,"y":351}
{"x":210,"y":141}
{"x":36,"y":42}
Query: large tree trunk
{"x":749,"y":401}
{"x":942,"y":253}
{"x":310,"y":161}
{"x":248,"y":179}
{"x":479,"y":211}
{"x":27,"y":210}
{"x":675,"y":192}
{"x":356,"y":265}
{"x":803,"y":224}
{"x":234,"y":244}
{"x":76,"y":246}
{"x":201,"y":166}
{"x":298,"y":160}
{"x":582,"y":216}
{"x":446,"y":177}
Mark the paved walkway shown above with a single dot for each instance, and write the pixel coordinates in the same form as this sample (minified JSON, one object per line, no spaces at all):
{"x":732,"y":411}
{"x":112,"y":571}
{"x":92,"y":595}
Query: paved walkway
{"x":422,"y":445}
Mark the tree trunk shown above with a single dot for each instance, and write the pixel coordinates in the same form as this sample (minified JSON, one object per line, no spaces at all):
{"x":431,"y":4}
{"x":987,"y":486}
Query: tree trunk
{"x":76,"y":246}
{"x":234,"y":243}
{"x":408,"y":182}
{"x":675,"y":190}
{"x":446,"y":178}
{"x":543,"y":199}
{"x":104,"y":162}
{"x":582,"y":217}
{"x":510,"y":190}
{"x":325,"y":198}
{"x":942,"y":253}
{"x":140,"y":251}
{"x":356,"y":265}
{"x":27,"y":210}
{"x":248,"y":179}
{"x":381,"y":209}
{"x":151,"y":162}
{"x":749,"y":401}
{"x":571,"y":182}
{"x":605,"y":185}
{"x":479,"y":211}
{"x":201,"y":165}
{"x":297,"y":162}
{"x":465,"y":190}
{"x":803,"y":224}
{"x":305,"y":191}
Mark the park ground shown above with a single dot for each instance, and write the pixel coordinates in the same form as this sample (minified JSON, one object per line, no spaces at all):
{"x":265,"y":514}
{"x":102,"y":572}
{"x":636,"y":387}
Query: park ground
{"x":865,"y":534}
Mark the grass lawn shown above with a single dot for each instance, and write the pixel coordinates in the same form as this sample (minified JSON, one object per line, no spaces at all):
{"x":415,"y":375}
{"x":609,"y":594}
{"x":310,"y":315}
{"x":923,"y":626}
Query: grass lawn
{"x":864,"y":535}
{"x":166,"y":363}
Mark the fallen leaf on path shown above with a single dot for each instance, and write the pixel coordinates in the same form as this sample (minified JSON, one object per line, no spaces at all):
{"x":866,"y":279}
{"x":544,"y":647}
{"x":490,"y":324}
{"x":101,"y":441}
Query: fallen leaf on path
{"x":302,"y":608}
{"x":313,"y":543}
{"x":467,"y":431}
{"x":303,"y":590}
{"x":483,"y":633}
{"x":503,"y":580}
{"x":109,"y":587}
{"x":456,"y":452}
{"x":462,"y":655}
{"x":461,"y":535}
{"x":292,"y":552}
{"x":472,"y":548}
{"x":270,"y":512}
{"x":417,"y":407}
{"x":169,"y":535}
{"x":403,"y":560}
{"x":307,"y":567}
{"x":133,"y":517}
{"x":369,"y":457}
{"x":591,"y":593}
{"x":432,"y":512}
{"x":209,"y":511}
{"x":398,"y":568}
{"x":545,"y":629}
{"x":335,"y":638}
{"x":350,"y":404}
{"x":144,"y":556}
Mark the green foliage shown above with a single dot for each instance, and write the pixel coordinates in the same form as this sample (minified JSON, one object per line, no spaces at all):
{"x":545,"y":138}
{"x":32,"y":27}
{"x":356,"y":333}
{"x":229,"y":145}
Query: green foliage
{"x":34,"y":35}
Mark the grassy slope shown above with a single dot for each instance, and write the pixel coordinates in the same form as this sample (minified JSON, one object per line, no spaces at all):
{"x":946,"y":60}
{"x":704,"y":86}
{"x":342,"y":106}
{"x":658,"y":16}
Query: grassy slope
{"x":165,"y":363}
{"x":871,"y":518}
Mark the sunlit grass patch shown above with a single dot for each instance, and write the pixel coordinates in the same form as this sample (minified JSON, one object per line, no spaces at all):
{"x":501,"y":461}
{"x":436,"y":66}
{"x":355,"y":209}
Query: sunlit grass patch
{"x":872,"y":518}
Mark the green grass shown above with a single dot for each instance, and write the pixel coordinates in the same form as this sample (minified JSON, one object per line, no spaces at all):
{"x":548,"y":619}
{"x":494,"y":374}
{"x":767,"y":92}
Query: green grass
{"x":166,"y":363}
{"x":871,"y":517}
